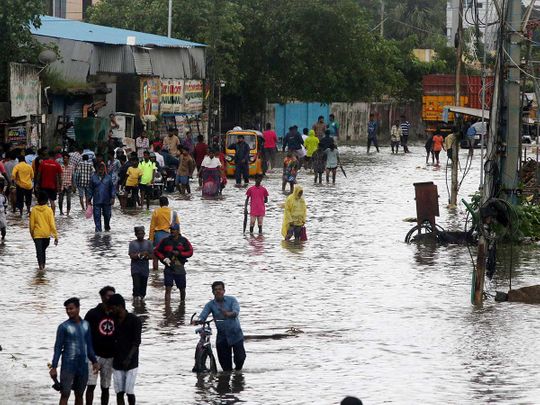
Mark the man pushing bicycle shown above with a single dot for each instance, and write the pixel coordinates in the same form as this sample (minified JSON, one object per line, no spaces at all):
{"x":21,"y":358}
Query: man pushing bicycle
{"x":225,"y":310}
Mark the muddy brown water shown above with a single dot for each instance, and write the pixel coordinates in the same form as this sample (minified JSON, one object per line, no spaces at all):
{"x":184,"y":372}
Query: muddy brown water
{"x":382,"y":320}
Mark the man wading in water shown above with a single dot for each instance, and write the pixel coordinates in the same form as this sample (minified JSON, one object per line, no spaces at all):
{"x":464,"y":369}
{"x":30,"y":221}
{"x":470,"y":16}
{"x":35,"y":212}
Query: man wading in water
{"x":101,"y":323}
{"x":74,"y":344}
{"x":173,"y":252}
{"x":225,"y":309}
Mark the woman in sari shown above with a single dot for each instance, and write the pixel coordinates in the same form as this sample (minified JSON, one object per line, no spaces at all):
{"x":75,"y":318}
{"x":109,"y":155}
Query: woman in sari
{"x":294,"y":217}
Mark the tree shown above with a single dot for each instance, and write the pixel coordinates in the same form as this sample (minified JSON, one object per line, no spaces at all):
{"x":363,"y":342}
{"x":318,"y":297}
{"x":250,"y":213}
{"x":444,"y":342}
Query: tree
{"x":16,"y":18}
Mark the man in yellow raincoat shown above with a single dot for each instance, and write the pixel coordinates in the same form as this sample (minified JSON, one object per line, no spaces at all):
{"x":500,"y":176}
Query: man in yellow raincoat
{"x":294,"y":217}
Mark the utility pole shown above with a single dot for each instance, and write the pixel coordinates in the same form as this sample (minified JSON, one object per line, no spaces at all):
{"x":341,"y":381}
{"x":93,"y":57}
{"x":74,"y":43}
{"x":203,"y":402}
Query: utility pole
{"x":455,"y":145}
{"x":505,"y":121}
{"x":382,"y":20}
{"x":169,"y":21}
{"x":512,"y":113}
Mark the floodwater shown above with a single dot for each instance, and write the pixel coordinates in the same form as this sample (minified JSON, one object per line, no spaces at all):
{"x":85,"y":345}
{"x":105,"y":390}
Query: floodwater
{"x":381,"y":320}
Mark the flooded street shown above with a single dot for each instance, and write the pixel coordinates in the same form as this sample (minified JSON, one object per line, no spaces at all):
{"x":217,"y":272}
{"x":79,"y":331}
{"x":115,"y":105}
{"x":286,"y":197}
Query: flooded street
{"x":382,"y":320}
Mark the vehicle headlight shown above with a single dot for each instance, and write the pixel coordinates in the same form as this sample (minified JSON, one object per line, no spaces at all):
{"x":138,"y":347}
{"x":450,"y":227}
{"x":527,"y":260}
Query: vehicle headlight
{"x":228,"y":158}
{"x":252,"y":158}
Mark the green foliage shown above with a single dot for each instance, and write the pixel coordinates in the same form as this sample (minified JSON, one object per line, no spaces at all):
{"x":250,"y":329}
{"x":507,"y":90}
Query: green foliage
{"x":309,"y":50}
{"x":16,"y":17}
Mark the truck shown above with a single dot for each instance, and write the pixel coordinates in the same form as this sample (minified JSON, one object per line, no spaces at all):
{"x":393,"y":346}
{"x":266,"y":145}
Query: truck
{"x":438,"y":91}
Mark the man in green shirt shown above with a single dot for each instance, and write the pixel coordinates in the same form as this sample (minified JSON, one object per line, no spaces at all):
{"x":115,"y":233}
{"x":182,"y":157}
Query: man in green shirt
{"x":148,"y":169}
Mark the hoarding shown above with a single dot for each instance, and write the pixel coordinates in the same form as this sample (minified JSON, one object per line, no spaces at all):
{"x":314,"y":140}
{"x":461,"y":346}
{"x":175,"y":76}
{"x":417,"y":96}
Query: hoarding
{"x":16,"y":137}
{"x":24,"y":90}
{"x":193,"y":94}
{"x":150,"y":90}
{"x":172,"y":96}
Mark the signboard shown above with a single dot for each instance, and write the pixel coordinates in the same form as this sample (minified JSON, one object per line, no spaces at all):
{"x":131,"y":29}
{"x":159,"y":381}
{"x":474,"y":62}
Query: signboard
{"x":150,"y":90}
{"x":17,"y":137}
{"x":193,"y":94}
{"x":24,"y":90}
{"x":172,"y":96}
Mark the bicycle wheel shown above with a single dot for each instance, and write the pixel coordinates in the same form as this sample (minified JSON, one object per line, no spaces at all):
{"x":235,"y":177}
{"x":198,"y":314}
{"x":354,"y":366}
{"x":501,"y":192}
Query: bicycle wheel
{"x":205,"y":361}
{"x":213,"y":366}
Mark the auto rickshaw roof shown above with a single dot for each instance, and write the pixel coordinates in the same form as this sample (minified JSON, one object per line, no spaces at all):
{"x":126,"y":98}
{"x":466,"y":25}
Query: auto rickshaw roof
{"x":245,"y":132}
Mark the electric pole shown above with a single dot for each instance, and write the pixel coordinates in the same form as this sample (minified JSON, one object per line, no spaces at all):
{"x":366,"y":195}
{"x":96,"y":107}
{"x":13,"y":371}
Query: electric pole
{"x":169,"y":20}
{"x":512,"y":114}
{"x":455,"y":145}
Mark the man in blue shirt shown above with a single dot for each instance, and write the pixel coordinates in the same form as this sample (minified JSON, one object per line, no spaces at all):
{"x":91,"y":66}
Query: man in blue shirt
{"x":333,"y":126}
{"x":225,"y":310}
{"x":101,"y":193}
{"x":372,"y":128}
{"x":74,"y":344}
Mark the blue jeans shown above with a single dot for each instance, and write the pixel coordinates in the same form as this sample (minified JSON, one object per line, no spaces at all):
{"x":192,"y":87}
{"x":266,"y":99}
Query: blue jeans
{"x":242,"y":170}
{"x":225,"y":352}
{"x":104,"y":209}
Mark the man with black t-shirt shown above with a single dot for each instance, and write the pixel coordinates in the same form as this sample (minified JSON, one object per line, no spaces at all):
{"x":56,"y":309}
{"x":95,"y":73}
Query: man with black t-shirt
{"x":102,"y":328}
{"x":126,"y":349}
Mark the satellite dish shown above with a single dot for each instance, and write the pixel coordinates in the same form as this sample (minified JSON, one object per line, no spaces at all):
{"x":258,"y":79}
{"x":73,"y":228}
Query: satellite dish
{"x":47,"y":57}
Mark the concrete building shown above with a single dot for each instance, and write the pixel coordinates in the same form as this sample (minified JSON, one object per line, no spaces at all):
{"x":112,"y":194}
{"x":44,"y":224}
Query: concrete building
{"x":473,"y":11}
{"x":71,"y":9}
{"x":104,"y":70}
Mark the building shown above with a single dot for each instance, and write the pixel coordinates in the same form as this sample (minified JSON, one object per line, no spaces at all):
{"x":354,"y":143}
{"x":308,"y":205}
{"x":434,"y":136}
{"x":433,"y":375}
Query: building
{"x":473,"y":11}
{"x":104,"y":70}
{"x":72,"y":9}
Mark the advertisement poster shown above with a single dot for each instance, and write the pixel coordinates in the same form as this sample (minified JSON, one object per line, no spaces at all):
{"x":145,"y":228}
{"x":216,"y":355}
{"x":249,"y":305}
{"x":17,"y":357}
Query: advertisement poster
{"x":17,"y":137}
{"x":193,"y":94}
{"x":24,"y":90}
{"x":172,"y":96}
{"x":150,"y":91}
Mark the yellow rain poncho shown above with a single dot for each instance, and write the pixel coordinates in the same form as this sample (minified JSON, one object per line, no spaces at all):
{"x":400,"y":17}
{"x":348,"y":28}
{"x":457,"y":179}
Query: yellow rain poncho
{"x":295,"y":210}
{"x":311,"y":143}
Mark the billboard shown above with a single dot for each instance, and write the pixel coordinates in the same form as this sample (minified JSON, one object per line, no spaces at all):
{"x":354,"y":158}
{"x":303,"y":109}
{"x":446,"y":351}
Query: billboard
{"x":150,"y":90}
{"x":193,"y":94}
{"x":24,"y":90}
{"x":172,"y":96}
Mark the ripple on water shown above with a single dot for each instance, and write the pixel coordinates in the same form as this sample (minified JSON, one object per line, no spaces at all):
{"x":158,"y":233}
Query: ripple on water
{"x":382,"y":320}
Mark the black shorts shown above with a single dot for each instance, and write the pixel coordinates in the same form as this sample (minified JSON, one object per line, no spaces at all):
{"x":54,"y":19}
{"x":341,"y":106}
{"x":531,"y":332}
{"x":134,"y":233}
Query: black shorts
{"x":51,"y":194}
{"x":145,"y":188}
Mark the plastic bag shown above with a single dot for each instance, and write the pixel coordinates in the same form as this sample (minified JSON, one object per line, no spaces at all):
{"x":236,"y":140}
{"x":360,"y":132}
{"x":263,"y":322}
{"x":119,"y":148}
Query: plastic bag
{"x":89,"y":211}
{"x":303,"y":234}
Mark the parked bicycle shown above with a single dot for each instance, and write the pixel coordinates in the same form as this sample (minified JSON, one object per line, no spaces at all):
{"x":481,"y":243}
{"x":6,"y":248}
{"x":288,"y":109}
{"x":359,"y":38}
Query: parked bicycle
{"x":204,"y":357}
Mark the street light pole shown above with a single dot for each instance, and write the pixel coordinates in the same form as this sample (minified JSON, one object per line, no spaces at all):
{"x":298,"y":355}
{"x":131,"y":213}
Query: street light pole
{"x":169,"y":22}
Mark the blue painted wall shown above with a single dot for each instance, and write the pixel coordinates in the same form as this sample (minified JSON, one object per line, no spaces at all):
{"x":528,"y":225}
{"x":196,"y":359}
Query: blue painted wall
{"x":302,"y":114}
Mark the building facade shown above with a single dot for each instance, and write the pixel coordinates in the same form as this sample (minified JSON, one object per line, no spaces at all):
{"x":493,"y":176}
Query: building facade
{"x":70,"y":9}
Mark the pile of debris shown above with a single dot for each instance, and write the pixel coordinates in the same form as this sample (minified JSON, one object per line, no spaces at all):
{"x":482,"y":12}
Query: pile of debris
{"x":529,"y":176}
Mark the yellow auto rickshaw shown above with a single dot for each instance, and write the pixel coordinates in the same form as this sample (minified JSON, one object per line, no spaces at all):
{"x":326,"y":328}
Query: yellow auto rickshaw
{"x":255,"y":141}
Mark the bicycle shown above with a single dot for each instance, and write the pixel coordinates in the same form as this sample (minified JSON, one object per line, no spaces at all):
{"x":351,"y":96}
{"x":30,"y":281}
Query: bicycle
{"x":203,"y":351}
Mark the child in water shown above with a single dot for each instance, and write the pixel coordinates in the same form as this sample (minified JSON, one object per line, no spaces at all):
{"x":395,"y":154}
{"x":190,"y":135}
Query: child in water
{"x":332,"y":162}
{"x":290,"y":169}
{"x":259,"y":197}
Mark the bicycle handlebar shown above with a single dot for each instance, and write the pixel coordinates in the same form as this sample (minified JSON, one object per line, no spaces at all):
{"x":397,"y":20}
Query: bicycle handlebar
{"x":201,"y":323}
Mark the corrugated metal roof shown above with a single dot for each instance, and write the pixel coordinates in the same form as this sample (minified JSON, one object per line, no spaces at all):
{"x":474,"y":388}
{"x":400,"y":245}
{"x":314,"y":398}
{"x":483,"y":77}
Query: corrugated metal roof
{"x":75,"y":58}
{"x":80,"y":31}
{"x":143,"y":65}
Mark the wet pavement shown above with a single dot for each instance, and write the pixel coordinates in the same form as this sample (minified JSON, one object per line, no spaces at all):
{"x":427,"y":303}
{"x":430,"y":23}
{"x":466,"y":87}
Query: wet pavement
{"x":381,"y":320}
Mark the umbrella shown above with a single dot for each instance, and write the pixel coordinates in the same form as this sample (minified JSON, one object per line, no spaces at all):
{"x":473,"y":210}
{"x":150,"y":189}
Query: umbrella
{"x":245,"y":219}
{"x":343,"y":170}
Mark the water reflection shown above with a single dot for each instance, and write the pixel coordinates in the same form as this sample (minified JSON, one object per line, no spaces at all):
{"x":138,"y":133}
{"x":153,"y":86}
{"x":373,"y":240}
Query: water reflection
{"x":412,"y":302}
{"x":174,"y":318}
{"x":220,"y":388}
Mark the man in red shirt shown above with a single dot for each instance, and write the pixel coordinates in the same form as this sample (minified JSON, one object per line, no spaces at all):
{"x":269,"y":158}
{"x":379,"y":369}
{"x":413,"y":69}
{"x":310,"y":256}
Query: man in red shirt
{"x":49,"y":178}
{"x":270,"y":141}
{"x":200,"y":151}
